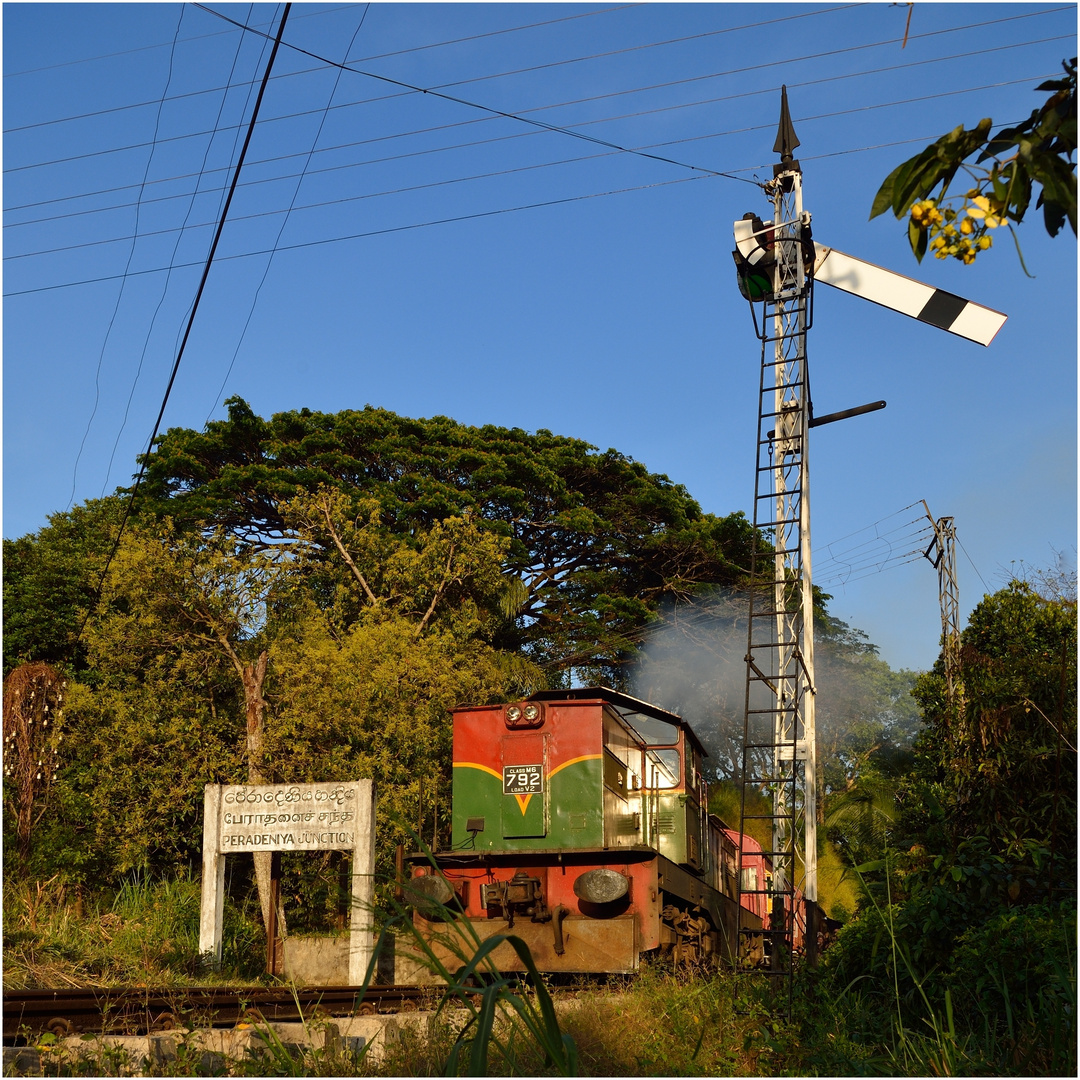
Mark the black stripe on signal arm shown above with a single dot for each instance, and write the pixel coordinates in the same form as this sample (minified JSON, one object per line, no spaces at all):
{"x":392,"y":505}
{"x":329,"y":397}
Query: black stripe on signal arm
{"x":942,"y":309}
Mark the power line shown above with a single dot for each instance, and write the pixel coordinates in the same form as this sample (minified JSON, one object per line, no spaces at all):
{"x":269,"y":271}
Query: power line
{"x":435,"y":91}
{"x":972,"y":561}
{"x":375,"y":232}
{"x":883,"y":549}
{"x":467,"y":217}
{"x":187,"y":331}
{"x":513,"y":170}
{"x":172,"y":259}
{"x":309,"y":15}
{"x":441,"y":86}
{"x":284,"y":222}
{"x":465,"y":123}
{"x":127,"y":267}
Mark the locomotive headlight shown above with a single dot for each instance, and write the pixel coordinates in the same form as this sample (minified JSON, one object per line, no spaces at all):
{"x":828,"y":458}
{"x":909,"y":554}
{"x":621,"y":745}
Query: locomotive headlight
{"x":513,"y":714}
{"x":601,"y":886}
{"x":531,"y":712}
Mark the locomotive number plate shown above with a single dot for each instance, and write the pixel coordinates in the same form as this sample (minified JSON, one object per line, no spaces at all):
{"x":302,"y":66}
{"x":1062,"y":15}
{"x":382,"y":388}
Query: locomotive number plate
{"x":523,"y":779}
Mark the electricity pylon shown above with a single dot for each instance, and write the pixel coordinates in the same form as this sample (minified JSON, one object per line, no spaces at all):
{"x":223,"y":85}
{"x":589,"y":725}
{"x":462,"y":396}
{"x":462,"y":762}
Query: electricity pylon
{"x":942,"y":555}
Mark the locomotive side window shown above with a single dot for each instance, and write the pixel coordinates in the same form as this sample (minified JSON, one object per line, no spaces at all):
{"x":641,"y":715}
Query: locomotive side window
{"x":663,"y":768}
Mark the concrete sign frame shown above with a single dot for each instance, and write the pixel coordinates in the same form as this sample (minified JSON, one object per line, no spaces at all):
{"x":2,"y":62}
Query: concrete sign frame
{"x":291,"y":817}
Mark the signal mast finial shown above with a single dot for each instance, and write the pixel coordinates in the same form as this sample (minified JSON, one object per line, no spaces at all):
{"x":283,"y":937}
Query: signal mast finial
{"x":786,"y":139}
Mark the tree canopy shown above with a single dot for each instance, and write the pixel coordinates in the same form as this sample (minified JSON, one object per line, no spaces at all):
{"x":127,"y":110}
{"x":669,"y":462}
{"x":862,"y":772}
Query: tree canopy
{"x":595,"y":541}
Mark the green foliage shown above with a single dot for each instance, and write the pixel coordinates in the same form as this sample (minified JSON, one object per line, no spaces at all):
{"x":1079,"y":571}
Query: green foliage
{"x":1019,"y":967}
{"x":859,"y":821}
{"x":966,"y":933}
{"x":595,"y":540}
{"x":865,"y":714}
{"x":1037,"y":151}
{"x":725,"y":800}
{"x":374,"y":701}
{"x":353,"y":688}
{"x":1002,"y":765}
{"x":50,"y":581}
{"x":1003,"y":1002}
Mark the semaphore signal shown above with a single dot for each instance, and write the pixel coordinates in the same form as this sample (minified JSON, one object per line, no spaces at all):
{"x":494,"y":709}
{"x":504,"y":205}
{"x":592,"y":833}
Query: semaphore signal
{"x":777,"y":263}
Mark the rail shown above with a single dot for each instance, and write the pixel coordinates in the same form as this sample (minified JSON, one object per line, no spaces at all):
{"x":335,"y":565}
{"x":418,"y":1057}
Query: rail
{"x":131,"y":1011}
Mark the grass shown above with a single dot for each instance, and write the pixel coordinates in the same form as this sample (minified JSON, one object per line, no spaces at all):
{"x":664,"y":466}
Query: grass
{"x":146,"y":933}
{"x":660,"y":1022}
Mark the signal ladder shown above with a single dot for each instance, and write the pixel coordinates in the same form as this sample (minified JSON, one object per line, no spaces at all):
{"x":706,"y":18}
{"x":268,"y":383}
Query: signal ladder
{"x":779,"y":723}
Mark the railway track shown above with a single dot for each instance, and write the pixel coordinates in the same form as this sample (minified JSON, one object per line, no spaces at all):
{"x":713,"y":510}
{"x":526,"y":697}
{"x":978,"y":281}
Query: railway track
{"x":127,"y":1011}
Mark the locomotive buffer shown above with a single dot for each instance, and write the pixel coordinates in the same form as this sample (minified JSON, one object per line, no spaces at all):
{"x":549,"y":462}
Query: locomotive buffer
{"x":777,"y":264}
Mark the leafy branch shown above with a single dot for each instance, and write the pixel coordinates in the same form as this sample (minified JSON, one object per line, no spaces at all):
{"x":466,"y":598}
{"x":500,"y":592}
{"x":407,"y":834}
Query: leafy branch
{"x":1037,"y":151}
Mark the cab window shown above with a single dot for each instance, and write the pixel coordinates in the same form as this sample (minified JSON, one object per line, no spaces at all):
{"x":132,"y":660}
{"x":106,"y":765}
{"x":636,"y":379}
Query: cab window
{"x":663,"y":768}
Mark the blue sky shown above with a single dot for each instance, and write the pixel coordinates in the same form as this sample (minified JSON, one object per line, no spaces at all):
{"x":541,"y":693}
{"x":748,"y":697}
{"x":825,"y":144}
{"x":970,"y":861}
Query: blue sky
{"x":440,"y":260}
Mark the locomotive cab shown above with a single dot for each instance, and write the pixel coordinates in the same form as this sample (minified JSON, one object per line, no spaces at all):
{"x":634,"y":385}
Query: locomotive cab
{"x":675,"y":797}
{"x":579,"y":824}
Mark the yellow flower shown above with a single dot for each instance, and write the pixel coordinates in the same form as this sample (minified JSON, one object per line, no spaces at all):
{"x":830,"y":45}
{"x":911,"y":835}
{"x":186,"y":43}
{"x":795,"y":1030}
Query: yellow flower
{"x":992,"y":214}
{"x":985,"y":242}
{"x":966,"y":226}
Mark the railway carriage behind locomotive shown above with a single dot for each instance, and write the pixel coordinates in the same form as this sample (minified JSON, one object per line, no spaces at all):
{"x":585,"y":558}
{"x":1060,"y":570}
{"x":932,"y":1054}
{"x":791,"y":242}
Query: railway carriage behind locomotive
{"x":581,"y":825}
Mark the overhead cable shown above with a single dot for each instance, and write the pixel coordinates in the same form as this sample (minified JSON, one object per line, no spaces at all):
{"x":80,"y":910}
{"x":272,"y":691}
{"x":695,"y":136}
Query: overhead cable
{"x":127,"y":266}
{"x":172,"y":259}
{"x":521,"y":113}
{"x":187,"y":332}
{"x":497,"y":173}
{"x":326,"y":11}
{"x":441,"y":86}
{"x":483,"y":120}
{"x":284,"y":222}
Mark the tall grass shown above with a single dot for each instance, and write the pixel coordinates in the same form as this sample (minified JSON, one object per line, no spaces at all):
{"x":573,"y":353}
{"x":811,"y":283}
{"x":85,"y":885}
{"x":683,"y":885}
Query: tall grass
{"x":145,"y":933}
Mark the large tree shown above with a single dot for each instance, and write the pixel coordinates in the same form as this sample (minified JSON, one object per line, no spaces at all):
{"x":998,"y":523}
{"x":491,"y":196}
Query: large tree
{"x":596,"y":542}
{"x":50,"y":583}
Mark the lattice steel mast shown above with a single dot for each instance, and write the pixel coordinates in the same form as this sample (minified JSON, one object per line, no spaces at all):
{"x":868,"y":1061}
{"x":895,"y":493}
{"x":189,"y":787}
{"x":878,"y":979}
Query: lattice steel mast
{"x":778,"y":748}
{"x":942,"y":555}
{"x":777,"y":263}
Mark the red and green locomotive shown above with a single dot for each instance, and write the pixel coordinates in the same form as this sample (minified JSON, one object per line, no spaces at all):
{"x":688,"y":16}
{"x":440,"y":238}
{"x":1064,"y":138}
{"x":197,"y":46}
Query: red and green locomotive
{"x":581,"y":824}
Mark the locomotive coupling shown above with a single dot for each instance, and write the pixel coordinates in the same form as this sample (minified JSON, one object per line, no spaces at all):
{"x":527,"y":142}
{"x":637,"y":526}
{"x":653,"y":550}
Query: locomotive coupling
{"x":521,"y":895}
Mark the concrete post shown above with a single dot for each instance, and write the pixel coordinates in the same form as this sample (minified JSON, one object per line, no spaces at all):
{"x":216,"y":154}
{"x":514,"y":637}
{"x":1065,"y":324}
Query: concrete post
{"x":361,"y":919}
{"x":213,"y":877}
